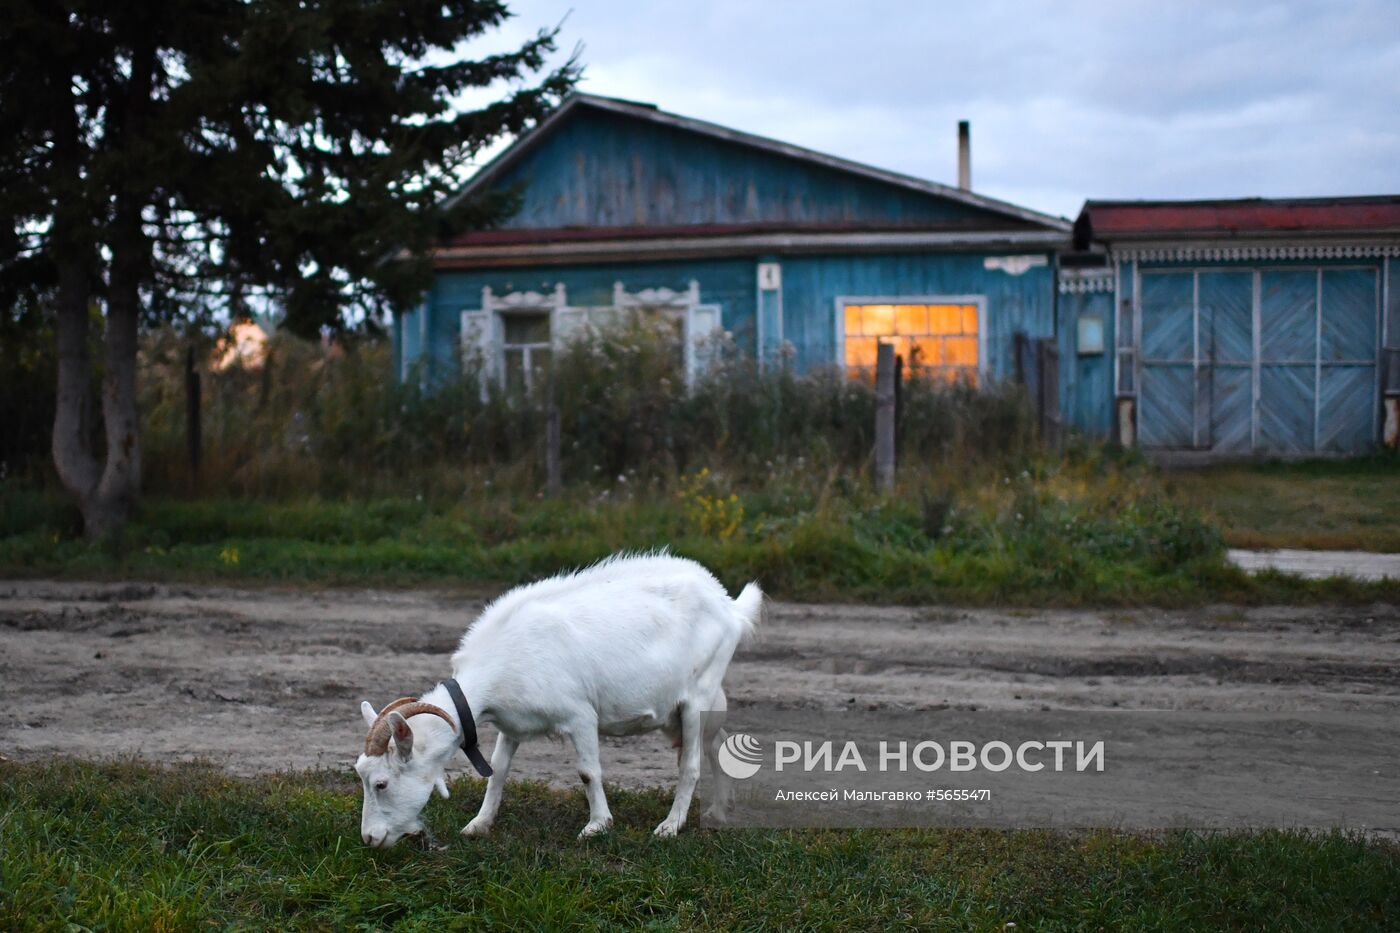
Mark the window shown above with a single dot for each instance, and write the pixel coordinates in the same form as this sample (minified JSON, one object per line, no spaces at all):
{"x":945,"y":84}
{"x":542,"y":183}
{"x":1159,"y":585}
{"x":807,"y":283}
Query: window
{"x":526,"y":350}
{"x":937,"y":339}
{"x":511,"y":335}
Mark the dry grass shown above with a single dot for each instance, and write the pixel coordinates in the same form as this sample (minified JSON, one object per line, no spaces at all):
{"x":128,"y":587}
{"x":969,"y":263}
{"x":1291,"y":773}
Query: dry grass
{"x":1325,"y":505}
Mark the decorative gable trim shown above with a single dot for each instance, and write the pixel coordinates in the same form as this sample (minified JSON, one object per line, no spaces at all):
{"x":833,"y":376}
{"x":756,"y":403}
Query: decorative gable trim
{"x":524,"y":301}
{"x":1253,"y":252}
{"x":1014,"y":265}
{"x":657,"y":297}
{"x":1086,"y":281}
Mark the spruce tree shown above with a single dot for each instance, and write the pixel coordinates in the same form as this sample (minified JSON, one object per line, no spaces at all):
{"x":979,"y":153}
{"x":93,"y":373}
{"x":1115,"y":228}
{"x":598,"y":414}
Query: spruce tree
{"x":170,"y":158}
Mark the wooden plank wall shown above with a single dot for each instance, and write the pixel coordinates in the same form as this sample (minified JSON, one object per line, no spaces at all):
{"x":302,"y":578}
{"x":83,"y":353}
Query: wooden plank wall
{"x":603,"y":169}
{"x":811,"y":285}
{"x":810,"y":288}
{"x":1086,"y":381}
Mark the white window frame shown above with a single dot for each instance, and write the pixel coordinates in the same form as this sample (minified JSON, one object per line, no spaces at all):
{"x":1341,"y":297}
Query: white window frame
{"x":978,"y":301}
{"x":496,"y":308}
{"x":528,"y":350}
{"x":565,"y":320}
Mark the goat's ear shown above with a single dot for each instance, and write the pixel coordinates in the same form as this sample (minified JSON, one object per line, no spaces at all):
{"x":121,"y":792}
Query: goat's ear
{"x":368,"y":712}
{"x":441,"y":787}
{"x":403,"y":735}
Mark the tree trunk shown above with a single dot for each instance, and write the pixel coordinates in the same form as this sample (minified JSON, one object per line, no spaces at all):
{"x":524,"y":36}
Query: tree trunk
{"x":121,"y":479}
{"x":73,"y":456}
{"x":108,"y":511}
{"x":72,"y":451}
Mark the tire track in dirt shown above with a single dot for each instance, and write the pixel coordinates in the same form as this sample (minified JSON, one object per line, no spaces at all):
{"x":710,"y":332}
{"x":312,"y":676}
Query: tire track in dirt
{"x":265,"y":679}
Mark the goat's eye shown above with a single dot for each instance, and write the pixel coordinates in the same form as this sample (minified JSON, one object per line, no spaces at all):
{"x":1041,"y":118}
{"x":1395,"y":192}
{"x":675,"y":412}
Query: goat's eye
{"x":381,"y":785}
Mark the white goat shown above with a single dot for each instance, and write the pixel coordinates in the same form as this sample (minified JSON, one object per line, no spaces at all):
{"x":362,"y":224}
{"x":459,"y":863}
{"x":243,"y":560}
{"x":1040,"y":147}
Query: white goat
{"x":629,"y":645}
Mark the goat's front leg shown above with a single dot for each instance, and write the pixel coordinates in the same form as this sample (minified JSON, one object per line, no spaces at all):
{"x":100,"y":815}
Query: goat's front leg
{"x":590,"y":770}
{"x":692,"y":750}
{"x":495,"y":786}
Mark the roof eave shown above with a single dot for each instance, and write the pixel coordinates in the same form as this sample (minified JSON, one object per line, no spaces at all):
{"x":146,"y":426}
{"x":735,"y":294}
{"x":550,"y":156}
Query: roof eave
{"x":782,"y":244}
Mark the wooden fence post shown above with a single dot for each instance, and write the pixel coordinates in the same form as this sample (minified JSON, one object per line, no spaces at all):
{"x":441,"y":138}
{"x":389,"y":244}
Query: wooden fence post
{"x":553,"y":480}
{"x":193,"y":440}
{"x":1048,"y":392}
{"x":884,"y":418}
{"x":1024,"y":360}
{"x":1038,"y":369}
{"x":898,"y":399}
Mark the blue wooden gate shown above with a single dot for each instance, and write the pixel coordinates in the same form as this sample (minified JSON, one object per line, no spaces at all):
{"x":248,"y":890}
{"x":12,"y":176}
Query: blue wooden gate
{"x":1274,"y":361}
{"x":1169,"y":387}
{"x":1226,"y":308}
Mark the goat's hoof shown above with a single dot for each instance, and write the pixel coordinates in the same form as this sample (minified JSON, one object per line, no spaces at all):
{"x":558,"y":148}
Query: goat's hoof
{"x":595,"y":827}
{"x":669,"y":827}
{"x":477,"y":827}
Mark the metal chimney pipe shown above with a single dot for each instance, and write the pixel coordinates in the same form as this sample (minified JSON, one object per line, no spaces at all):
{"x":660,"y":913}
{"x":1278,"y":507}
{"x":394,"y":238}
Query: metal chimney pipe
{"x":964,"y":155}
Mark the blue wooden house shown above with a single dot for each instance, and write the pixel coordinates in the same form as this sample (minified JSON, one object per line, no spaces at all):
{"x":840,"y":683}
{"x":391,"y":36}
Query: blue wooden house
{"x":1210,"y":329}
{"x":1250,"y":327}
{"x":796,"y":255}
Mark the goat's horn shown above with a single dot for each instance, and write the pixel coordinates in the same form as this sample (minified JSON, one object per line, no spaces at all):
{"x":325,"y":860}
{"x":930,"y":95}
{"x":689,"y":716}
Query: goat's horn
{"x":377,"y":741}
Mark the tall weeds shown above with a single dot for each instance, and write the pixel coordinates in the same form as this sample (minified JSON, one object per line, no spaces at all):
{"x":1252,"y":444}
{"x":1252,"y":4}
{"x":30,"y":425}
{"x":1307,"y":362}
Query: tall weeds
{"x":321,"y":466}
{"x":333,"y":422}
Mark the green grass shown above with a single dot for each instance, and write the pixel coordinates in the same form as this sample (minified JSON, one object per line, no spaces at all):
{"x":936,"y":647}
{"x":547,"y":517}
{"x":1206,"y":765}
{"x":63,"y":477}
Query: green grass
{"x":1033,"y":549}
{"x":1066,"y":534}
{"x":135,"y":847}
{"x":1342,"y":504}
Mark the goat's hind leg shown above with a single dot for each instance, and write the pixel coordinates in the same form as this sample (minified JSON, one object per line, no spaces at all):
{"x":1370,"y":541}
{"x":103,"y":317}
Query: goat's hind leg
{"x":495,"y":786}
{"x":692,"y":750}
{"x":718,"y":810}
{"x":590,"y":771}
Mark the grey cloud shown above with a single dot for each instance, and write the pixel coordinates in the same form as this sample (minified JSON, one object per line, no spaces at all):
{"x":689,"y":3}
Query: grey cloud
{"x":1069,"y":99}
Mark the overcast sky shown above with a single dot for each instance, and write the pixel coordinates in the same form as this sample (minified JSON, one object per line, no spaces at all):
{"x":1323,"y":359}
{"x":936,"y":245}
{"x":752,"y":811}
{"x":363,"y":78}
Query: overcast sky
{"x":1068,"y":99}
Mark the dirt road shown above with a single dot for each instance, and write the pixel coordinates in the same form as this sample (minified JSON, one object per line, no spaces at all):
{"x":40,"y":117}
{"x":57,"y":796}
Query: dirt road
{"x":266,"y":679}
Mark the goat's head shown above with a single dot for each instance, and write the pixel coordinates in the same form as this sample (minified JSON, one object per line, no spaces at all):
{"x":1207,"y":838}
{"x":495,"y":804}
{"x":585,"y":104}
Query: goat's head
{"x":398,"y":779}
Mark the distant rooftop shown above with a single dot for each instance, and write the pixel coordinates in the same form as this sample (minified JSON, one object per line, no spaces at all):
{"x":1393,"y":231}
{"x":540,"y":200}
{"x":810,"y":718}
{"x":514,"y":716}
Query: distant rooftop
{"x":1370,"y":215}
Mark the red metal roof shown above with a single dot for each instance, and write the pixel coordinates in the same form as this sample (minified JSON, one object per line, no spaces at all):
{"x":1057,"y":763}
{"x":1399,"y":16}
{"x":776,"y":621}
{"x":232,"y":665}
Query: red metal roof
{"x":1113,"y":219}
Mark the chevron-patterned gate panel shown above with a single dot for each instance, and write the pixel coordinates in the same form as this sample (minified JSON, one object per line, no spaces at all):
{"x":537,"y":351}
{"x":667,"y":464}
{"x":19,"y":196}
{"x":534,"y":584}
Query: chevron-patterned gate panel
{"x":1288,"y":316}
{"x":1346,"y":368}
{"x":1231,"y":408}
{"x":1285,"y":409}
{"x":1309,"y":387}
{"x":1226,"y":308}
{"x":1347,"y":409}
{"x":1349,"y":316}
{"x":1287,"y":360}
{"x":1166,"y":418}
{"x":1167,"y":415}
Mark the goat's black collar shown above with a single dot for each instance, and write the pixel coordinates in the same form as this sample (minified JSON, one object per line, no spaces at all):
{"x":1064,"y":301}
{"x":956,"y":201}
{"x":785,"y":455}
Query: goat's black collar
{"x":467,"y":723}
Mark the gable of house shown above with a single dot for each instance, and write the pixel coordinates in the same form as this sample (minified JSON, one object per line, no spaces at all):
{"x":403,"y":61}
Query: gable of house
{"x":621,"y":168}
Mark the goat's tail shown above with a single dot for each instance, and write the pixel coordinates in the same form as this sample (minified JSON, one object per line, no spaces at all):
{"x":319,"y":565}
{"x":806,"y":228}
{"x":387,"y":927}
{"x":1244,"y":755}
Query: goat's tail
{"x":748,"y":609}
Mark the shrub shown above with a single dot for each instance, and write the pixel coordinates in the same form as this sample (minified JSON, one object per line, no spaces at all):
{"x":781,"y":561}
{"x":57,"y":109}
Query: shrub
{"x":332,"y":421}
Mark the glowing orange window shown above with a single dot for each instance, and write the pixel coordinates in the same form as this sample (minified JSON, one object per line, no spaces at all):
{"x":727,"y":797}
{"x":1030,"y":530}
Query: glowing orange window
{"x":934,"y":339}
